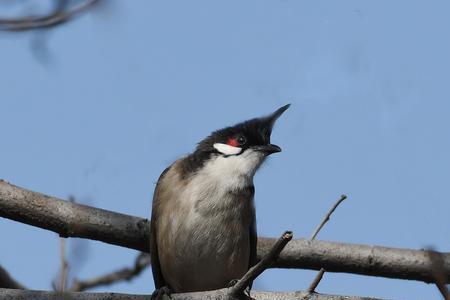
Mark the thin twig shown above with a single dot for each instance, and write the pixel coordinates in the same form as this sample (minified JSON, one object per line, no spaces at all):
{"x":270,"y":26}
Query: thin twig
{"x":437,"y":268}
{"x":327,"y":217}
{"x":319,"y":275}
{"x":311,"y":289}
{"x":262,"y":265}
{"x":141,"y":262}
{"x":56,"y":17}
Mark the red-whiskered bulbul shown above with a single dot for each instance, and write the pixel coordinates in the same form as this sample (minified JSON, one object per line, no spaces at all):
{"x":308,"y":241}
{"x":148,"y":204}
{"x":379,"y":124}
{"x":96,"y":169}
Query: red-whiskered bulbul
{"x":203,"y":227}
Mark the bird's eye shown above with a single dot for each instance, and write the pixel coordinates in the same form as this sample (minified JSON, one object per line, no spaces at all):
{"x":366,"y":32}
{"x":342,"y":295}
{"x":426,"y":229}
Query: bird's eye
{"x":241,"y":140}
{"x":237,"y":141}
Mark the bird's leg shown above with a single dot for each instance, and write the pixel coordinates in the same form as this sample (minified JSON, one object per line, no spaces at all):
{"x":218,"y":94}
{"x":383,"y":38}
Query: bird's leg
{"x":246,"y":294}
{"x":158,"y":294}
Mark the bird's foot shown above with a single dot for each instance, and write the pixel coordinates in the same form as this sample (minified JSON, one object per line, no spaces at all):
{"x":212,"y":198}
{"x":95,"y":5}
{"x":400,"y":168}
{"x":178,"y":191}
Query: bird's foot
{"x":245,"y":295}
{"x":158,"y":294}
{"x":247,"y":292}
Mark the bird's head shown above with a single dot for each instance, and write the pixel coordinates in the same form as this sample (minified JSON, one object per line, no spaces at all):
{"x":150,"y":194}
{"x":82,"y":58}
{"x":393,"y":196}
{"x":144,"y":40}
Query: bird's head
{"x":246,"y":143}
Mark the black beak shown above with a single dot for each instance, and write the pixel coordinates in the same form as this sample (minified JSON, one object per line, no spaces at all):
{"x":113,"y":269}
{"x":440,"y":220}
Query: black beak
{"x":267,"y":149}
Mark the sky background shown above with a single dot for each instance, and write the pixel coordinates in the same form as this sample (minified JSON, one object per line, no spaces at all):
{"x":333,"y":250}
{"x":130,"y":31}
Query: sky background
{"x":115,"y":96}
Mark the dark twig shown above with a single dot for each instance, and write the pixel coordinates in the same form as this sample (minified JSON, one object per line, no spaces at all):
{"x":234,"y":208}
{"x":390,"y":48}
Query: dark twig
{"x":319,"y":275}
{"x":141,"y":262}
{"x":261,"y":266}
{"x":316,"y":281}
{"x":60,"y":15}
{"x":437,"y":268}
{"x":6,"y":281}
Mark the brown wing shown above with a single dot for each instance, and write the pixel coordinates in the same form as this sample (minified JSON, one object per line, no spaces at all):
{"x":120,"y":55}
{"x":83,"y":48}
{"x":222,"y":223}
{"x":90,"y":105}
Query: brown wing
{"x":253,"y":239}
{"x":156,"y":267}
{"x":253,"y":244}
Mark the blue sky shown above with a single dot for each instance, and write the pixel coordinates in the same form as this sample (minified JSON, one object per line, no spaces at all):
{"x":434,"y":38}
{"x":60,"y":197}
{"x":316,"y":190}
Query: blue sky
{"x":127,"y":90}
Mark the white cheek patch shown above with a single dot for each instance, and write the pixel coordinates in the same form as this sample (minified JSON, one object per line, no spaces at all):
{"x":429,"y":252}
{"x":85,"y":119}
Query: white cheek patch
{"x":227,"y":149}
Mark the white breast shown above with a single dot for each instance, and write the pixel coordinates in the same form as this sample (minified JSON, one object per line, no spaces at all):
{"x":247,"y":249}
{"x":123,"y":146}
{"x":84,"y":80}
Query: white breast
{"x":211,"y":225}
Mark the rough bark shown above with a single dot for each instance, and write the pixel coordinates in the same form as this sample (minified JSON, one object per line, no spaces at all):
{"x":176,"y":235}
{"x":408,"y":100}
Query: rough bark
{"x":75,"y":220}
{"x":357,"y":259}
{"x":218,"y":295}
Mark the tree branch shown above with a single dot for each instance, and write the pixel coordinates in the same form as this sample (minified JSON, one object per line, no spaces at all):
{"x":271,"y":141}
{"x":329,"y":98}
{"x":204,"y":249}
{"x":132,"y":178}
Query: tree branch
{"x":261,"y":266}
{"x":318,"y":278}
{"x":436,"y":262}
{"x":6,"y":281}
{"x":312,"y":287}
{"x":327,"y":217}
{"x":76,"y":220}
{"x":142,"y":261}
{"x":218,"y":295}
{"x":72,"y":219}
{"x":60,"y":284}
{"x":60,"y":15}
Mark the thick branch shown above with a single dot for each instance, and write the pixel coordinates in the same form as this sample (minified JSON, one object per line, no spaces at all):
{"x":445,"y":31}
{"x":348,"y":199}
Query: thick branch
{"x":356,"y":259}
{"x":218,"y":295}
{"x":72,"y":219}
{"x":75,"y":220}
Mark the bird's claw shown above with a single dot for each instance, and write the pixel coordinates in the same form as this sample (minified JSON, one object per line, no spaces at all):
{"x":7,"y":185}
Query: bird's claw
{"x":247,"y":292}
{"x":158,"y":294}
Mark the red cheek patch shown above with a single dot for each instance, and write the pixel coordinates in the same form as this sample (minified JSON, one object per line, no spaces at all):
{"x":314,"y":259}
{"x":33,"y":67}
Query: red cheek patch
{"x":232,"y":142}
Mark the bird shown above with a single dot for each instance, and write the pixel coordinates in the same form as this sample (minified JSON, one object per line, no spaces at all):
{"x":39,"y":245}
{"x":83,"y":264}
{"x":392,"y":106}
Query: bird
{"x":203,"y":223}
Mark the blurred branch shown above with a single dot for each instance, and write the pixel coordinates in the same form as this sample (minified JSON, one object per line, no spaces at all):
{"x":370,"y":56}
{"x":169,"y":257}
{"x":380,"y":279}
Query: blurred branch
{"x":222,"y":294}
{"x":6,"y":281}
{"x":76,"y":220}
{"x":64,"y":266}
{"x":141,"y":262}
{"x":61,"y":13}
{"x":60,"y":283}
